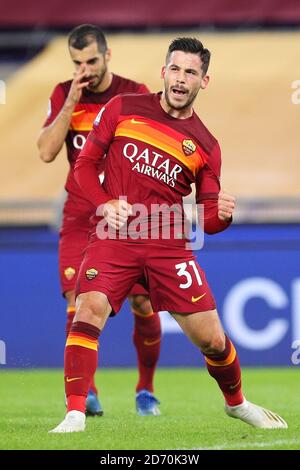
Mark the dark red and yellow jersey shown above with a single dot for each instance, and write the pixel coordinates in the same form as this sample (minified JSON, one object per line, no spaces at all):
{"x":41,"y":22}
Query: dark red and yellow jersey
{"x":84,"y":115}
{"x":151,"y":157}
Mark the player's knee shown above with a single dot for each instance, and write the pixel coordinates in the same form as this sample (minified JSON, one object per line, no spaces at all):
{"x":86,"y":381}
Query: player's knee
{"x":141,"y":304}
{"x":87,"y":308}
{"x":70,"y":297}
{"x":85,"y":313}
{"x":214,"y":345}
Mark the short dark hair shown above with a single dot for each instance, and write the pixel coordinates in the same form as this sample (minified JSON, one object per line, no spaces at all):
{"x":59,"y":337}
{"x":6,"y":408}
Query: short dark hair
{"x":192,"y":45}
{"x":84,"y":34}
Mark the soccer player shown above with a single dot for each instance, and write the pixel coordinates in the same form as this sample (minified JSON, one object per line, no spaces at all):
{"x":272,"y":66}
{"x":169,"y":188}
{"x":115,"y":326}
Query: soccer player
{"x":73,"y":106}
{"x":155,"y":147}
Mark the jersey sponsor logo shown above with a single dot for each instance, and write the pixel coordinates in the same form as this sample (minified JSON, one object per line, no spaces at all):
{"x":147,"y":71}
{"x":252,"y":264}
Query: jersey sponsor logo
{"x":188,"y":147}
{"x":72,"y":379}
{"x":79,"y":141}
{"x":196,"y":299}
{"x":98,"y":117}
{"x":151,"y":163}
{"x":91,"y":273}
{"x":69,"y":273}
{"x":134,"y":121}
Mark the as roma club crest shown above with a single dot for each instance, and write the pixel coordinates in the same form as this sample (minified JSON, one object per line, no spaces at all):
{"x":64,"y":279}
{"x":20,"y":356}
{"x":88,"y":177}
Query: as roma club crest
{"x":69,"y":273}
{"x":188,"y":147}
{"x":91,"y":273}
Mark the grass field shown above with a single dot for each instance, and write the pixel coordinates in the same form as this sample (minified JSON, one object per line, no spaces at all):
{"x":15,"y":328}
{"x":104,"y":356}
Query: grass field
{"x":191,"y":405}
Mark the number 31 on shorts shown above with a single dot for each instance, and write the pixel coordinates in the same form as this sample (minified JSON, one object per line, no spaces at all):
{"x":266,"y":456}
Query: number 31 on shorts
{"x":183,"y":270}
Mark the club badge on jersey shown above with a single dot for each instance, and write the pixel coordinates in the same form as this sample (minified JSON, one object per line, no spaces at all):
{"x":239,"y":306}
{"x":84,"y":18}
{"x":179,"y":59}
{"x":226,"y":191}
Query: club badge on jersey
{"x":188,"y":147}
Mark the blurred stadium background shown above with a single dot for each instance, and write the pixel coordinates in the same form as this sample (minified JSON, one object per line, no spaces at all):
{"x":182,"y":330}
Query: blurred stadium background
{"x":250,"y":105}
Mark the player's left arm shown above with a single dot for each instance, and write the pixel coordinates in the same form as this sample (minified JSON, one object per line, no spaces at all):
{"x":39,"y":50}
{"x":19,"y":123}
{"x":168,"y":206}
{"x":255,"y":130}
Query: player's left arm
{"x":218,"y":205}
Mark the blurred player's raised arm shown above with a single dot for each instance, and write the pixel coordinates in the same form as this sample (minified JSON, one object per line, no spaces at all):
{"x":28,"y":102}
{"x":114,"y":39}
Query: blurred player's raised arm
{"x":61,"y":107}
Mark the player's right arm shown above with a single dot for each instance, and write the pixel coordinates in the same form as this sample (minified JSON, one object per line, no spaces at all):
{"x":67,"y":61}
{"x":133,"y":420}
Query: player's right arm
{"x":115,"y":211}
{"x":54,"y":132}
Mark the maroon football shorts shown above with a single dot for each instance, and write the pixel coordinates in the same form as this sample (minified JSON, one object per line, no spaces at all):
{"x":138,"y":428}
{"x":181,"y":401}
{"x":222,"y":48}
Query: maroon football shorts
{"x":73,"y":240}
{"x":172,"y":274}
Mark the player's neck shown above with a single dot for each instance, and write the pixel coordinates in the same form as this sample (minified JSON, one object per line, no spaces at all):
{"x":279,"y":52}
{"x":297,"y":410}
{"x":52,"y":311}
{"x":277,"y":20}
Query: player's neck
{"x":184,"y":113}
{"x":105,"y":83}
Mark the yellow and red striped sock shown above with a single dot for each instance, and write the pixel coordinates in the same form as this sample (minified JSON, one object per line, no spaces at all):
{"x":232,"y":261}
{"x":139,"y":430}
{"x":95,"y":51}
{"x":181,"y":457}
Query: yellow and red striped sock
{"x":225,"y":369}
{"x":81,"y":359}
{"x":70,"y":317}
{"x":146,"y":338}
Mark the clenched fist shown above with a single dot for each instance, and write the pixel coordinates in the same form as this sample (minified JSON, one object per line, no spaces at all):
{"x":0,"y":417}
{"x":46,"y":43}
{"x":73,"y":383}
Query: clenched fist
{"x":116,"y":213}
{"x":226,"y":205}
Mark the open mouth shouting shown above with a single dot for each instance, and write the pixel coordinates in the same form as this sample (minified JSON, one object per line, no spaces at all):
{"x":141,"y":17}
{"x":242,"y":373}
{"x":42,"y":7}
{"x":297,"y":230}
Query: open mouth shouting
{"x":178,"y":92}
